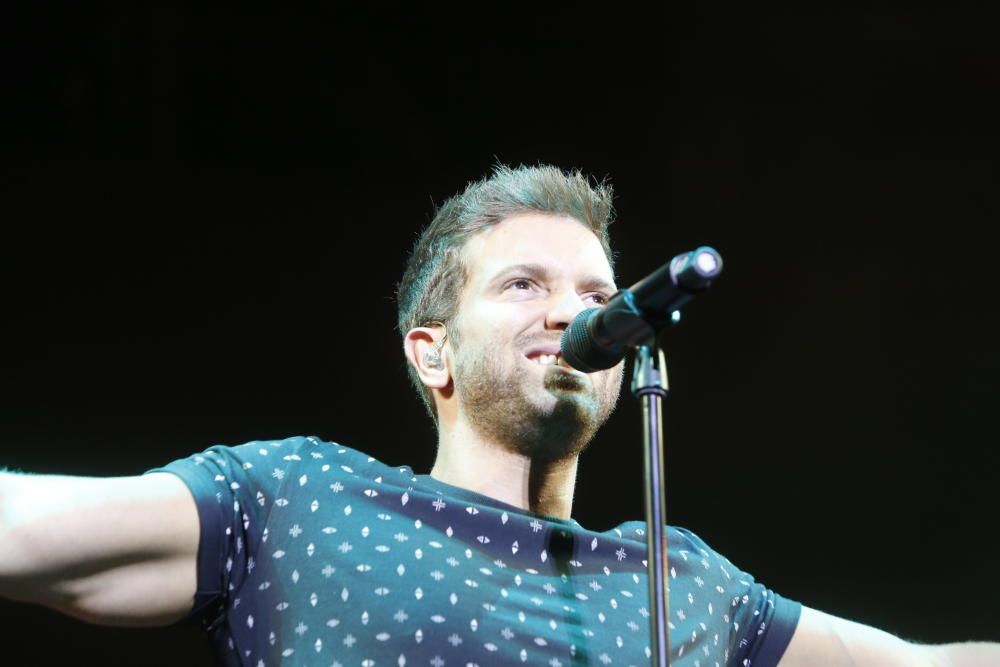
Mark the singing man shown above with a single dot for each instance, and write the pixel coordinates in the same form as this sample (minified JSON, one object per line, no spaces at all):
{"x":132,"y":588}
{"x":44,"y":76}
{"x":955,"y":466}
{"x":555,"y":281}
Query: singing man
{"x":307,"y":552}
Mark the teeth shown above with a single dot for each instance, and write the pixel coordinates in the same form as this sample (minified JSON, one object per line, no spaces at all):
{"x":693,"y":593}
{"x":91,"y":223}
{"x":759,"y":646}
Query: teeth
{"x":547,"y":359}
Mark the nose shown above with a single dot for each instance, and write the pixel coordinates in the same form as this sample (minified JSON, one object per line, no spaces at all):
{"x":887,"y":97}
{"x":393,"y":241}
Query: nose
{"x":563,"y":307}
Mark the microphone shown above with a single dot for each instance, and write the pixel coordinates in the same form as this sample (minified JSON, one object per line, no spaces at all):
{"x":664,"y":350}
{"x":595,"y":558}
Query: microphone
{"x":598,"y":338}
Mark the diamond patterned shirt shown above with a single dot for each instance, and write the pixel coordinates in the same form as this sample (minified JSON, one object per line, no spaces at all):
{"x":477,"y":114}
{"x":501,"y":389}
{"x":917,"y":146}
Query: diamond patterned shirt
{"x":313,"y":553}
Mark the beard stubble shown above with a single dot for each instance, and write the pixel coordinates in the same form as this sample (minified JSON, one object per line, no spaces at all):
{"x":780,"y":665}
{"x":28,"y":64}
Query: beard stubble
{"x":494,"y":394}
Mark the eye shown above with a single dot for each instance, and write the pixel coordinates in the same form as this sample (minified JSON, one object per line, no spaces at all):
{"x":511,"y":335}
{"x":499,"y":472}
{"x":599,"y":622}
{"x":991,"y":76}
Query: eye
{"x":520,"y":284}
{"x":598,"y":298}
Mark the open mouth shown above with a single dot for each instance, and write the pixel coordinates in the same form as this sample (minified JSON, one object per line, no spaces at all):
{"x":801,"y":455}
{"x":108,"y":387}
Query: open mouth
{"x":546,"y":359}
{"x":550,"y":358}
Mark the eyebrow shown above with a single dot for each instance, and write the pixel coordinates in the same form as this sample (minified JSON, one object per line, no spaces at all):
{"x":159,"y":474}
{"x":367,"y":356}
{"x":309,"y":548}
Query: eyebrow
{"x":540,"y":272}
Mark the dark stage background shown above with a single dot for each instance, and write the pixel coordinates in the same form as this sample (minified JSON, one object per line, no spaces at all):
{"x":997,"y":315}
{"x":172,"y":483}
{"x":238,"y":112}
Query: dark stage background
{"x":206,"y":212}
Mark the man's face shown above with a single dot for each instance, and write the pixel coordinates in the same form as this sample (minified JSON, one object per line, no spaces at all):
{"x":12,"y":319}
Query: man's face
{"x":528,"y":277}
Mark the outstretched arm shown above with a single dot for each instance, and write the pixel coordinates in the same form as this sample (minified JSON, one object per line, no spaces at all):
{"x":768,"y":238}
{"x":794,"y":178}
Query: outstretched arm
{"x":822,"y":639}
{"x":970,"y":654}
{"x":113,"y":551}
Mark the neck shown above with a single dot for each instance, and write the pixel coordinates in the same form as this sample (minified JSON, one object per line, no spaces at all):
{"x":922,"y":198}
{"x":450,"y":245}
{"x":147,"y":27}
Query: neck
{"x":468,"y":460}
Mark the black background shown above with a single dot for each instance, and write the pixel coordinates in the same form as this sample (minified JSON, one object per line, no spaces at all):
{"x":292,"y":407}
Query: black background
{"x":206,"y":212}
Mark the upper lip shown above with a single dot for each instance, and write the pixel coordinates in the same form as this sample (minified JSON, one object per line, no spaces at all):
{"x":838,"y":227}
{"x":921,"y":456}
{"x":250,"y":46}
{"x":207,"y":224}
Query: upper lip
{"x":549,"y":348}
{"x":552,"y":348}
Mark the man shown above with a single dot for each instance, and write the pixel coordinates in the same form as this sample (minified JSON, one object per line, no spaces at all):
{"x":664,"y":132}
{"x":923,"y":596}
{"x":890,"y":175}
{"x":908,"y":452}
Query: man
{"x":307,"y":552}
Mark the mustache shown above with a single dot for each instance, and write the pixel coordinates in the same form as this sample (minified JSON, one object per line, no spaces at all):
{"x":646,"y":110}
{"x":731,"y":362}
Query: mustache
{"x":534,"y":340}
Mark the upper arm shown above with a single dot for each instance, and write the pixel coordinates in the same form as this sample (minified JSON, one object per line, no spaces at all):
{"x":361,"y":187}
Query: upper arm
{"x":118,"y":551}
{"x":822,"y":639}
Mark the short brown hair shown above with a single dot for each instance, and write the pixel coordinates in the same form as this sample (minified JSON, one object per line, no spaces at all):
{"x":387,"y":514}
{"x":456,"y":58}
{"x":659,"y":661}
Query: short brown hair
{"x":435,"y":274}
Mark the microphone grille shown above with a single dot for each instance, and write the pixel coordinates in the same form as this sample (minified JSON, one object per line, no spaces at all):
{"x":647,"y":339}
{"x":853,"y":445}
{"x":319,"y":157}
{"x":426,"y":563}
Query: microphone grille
{"x":575,"y":341}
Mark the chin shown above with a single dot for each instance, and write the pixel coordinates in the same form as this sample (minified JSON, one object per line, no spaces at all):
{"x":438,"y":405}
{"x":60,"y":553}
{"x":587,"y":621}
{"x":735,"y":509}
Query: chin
{"x":563,"y":383}
{"x":575,"y":408}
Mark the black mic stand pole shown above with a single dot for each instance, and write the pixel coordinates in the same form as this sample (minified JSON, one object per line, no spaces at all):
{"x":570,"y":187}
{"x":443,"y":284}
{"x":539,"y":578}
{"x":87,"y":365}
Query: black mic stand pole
{"x":649,"y":384}
{"x":632,"y":318}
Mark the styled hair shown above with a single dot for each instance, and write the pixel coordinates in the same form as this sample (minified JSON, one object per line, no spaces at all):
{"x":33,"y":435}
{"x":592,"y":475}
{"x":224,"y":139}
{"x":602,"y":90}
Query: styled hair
{"x":435,"y":274}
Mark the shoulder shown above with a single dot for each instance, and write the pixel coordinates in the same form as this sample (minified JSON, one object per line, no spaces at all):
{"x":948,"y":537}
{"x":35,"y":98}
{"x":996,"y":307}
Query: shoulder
{"x":297,"y":448}
{"x":271,"y":465}
{"x":678,"y":538}
{"x":336,"y":457}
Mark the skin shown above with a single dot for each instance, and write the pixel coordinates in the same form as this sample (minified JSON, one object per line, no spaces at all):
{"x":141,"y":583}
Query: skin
{"x":508,"y":427}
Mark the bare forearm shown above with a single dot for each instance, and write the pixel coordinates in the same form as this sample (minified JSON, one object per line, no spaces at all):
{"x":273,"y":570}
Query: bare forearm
{"x":6,"y":518}
{"x":968,"y":654}
{"x":5,"y":539}
{"x":40,"y":549}
{"x":13,"y":486}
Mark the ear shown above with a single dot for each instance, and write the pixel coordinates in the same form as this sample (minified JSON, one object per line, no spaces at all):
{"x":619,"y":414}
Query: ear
{"x":421,"y":346}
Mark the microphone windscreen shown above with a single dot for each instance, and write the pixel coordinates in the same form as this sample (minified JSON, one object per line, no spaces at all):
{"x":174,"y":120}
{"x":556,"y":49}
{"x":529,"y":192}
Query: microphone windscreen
{"x":580,"y":350}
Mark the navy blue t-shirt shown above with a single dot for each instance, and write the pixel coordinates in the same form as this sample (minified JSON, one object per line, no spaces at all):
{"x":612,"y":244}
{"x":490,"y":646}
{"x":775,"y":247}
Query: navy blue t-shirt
{"x":313,"y":553}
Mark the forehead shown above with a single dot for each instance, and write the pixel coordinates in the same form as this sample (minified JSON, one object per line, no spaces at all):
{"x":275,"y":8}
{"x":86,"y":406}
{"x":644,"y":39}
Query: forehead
{"x":562,"y":243}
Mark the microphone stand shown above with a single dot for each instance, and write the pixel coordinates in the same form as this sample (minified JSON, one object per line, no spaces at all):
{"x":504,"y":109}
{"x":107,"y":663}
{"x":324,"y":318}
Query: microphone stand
{"x":649,"y":385}
{"x":598,"y":339}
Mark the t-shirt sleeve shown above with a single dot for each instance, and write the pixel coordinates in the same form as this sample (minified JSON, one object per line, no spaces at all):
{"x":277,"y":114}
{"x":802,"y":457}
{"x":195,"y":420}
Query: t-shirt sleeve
{"x":761,"y":622}
{"x":234,"y":489}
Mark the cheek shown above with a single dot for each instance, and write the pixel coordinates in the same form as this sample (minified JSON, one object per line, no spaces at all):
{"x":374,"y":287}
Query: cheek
{"x":497,"y":324}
